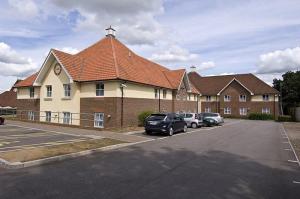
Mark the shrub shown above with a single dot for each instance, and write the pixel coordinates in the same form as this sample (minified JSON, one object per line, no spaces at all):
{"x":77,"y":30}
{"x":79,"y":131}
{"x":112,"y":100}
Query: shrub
{"x":260,"y":116}
{"x":142,"y":117}
{"x":284,"y":118}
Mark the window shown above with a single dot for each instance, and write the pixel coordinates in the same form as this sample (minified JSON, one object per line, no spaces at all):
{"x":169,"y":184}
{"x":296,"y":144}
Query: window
{"x":49,"y":91}
{"x":48,"y":116}
{"x":99,"y":120}
{"x":31,"y":115}
{"x":100,"y":89}
{"x":195,"y":97}
{"x":67,"y":90}
{"x":164,"y":93}
{"x":31,"y":92}
{"x":208,"y":98}
{"x":243,"y":111}
{"x":227,"y":110}
{"x":67,"y":117}
{"x":265,"y":97}
{"x":189,"y":97}
{"x":243,"y":98}
{"x":266,"y":110}
{"x":156,"y":93}
{"x":227,"y":98}
{"x":188,"y":115}
{"x":207,"y":110}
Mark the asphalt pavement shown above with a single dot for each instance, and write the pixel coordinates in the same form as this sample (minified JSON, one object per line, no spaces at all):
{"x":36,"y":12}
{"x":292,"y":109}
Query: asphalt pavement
{"x":245,"y":159}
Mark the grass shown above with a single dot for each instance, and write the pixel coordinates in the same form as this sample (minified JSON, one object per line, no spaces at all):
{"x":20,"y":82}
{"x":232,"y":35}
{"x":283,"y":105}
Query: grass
{"x":25,"y":155}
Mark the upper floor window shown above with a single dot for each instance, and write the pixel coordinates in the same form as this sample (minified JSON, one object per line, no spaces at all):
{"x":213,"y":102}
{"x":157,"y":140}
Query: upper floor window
{"x":227,"y":110}
{"x":31,"y":92}
{"x":243,"y":98}
{"x":227,"y":98}
{"x":67,"y":90}
{"x":100,"y":89}
{"x":265,"y":97}
{"x":266,"y":110}
{"x":208,"y":98}
{"x":156,"y":93}
{"x":195,"y":97}
{"x":189,"y":97}
{"x":49,"y":91}
{"x":207,"y":110}
{"x":164,"y":93}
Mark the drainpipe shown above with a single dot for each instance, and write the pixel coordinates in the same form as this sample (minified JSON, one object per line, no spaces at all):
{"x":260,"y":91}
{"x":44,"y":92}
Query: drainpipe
{"x":159,"y":100}
{"x":122,"y":85}
{"x":197,"y":104}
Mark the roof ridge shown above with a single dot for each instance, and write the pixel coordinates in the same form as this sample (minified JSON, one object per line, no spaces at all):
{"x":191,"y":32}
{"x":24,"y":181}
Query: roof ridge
{"x":114,"y":57}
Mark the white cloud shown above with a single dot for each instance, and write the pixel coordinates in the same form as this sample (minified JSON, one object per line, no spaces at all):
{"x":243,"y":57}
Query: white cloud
{"x":174,"y":54}
{"x":268,"y":78}
{"x":280,"y":61}
{"x":70,"y":50}
{"x":24,"y":8}
{"x":13,"y":64}
{"x":134,"y":20}
{"x":207,"y":65}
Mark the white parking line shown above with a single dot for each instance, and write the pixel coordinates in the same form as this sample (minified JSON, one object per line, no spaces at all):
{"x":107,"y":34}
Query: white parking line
{"x":288,"y":149}
{"x":297,"y":159}
{"x":296,"y":182}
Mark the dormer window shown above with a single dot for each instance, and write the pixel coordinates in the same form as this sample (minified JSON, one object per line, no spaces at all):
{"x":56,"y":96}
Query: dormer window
{"x":100,"y":89}
{"x":49,"y":91}
{"x":265,"y":97}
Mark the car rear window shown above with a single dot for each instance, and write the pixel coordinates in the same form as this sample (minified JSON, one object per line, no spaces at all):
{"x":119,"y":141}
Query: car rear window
{"x":156,"y":117}
{"x":214,"y":114}
{"x":188,"y":115}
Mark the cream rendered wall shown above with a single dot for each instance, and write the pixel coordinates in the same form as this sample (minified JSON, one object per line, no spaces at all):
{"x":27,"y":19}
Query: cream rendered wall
{"x":259,"y":98}
{"x":23,"y":93}
{"x":212,"y":98}
{"x":132,"y":90}
{"x":58,"y":103}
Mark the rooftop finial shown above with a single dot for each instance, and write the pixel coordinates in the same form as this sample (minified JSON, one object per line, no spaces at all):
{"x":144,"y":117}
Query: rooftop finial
{"x":110,"y":31}
{"x":193,"y":68}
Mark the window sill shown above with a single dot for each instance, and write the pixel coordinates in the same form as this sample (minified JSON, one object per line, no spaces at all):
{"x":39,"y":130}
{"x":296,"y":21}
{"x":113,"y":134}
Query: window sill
{"x":48,"y":99}
{"x":66,"y":98}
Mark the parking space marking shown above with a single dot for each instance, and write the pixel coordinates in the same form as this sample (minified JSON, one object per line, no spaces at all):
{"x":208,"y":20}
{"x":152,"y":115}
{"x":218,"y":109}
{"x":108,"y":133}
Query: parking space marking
{"x":296,"y":182}
{"x":288,"y":149}
{"x":291,"y":146}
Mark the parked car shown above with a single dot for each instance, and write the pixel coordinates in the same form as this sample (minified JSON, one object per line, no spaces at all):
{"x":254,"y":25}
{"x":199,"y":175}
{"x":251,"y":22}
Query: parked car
{"x":2,"y":120}
{"x":167,"y":123}
{"x":193,"y":120}
{"x":212,"y":118}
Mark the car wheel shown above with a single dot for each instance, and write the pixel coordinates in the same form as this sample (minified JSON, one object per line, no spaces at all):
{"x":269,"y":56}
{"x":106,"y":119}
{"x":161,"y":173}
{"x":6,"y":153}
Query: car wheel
{"x":171,"y":131}
{"x":148,"y":132}
{"x":194,"y":125}
{"x":185,"y":128}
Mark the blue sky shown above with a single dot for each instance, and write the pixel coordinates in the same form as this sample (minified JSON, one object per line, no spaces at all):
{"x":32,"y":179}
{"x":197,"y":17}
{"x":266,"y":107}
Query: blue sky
{"x":217,"y":36}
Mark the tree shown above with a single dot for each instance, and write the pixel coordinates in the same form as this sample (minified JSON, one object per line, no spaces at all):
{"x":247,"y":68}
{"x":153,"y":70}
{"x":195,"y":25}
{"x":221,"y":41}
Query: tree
{"x":289,"y":87}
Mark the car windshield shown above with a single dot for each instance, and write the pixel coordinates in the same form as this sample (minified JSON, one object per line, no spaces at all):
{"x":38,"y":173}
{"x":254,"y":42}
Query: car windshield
{"x":156,"y":117}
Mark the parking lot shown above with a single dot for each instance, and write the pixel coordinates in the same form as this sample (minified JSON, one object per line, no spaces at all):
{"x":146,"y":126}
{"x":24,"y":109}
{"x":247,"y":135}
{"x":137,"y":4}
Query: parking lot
{"x":16,"y":138}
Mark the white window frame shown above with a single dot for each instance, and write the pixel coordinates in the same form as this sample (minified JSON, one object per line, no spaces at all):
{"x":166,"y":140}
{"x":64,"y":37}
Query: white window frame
{"x":207,"y":110}
{"x":164,"y":93}
{"x":31,"y":92}
{"x":243,"y":98}
{"x":48,"y":116}
{"x":243,"y":111}
{"x":98,"y":120}
{"x":195,"y":97}
{"x":100,"y":89}
{"x":227,"y":111}
{"x":67,"y":90}
{"x":49,"y":90}
{"x":227,"y":98}
{"x":156,"y":93}
{"x":66,"y":117}
{"x":208,"y":98}
{"x":189,"y":97}
{"x":266,"y":97}
{"x":266,"y":110}
{"x":31,"y":116}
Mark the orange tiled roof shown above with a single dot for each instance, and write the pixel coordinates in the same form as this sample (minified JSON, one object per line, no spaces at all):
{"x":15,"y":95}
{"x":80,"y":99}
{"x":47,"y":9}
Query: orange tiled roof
{"x":26,"y":82}
{"x":109,"y":59}
{"x":212,"y":85}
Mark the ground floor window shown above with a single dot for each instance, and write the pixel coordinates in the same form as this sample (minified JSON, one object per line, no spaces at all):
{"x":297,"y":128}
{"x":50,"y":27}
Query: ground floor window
{"x":227,"y":110}
{"x":266,"y":110}
{"x":48,"y":116}
{"x":243,"y":111}
{"x":207,"y":110}
{"x":99,"y":120}
{"x":30,"y":115}
{"x":66,"y":117}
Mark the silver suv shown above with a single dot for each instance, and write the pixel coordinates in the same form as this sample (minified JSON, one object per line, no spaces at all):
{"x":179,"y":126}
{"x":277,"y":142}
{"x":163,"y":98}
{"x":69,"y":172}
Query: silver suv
{"x":193,"y":120}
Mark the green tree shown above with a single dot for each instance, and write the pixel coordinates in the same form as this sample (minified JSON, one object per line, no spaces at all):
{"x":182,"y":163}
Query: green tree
{"x":289,"y":87}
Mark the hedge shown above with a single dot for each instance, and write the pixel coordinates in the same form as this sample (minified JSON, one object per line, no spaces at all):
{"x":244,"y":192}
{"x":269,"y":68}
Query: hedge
{"x":284,"y":118}
{"x":260,"y":116}
{"x":142,"y":117}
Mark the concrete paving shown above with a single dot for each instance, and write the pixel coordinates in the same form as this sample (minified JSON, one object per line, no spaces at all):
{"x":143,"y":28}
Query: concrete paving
{"x":244,"y":159}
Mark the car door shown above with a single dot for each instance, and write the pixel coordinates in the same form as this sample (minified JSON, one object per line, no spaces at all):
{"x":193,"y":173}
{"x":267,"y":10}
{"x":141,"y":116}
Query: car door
{"x":176,"y":123}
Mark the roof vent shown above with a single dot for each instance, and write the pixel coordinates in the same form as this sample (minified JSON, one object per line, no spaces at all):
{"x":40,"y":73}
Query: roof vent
{"x":110,"y":32}
{"x":193,"y":68}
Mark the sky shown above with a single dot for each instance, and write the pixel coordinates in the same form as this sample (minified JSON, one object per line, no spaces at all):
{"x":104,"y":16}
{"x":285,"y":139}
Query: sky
{"x":219,"y":37}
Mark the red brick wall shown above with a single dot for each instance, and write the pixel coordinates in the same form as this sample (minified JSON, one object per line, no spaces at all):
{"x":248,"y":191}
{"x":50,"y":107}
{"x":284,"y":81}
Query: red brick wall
{"x":25,"y":105}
